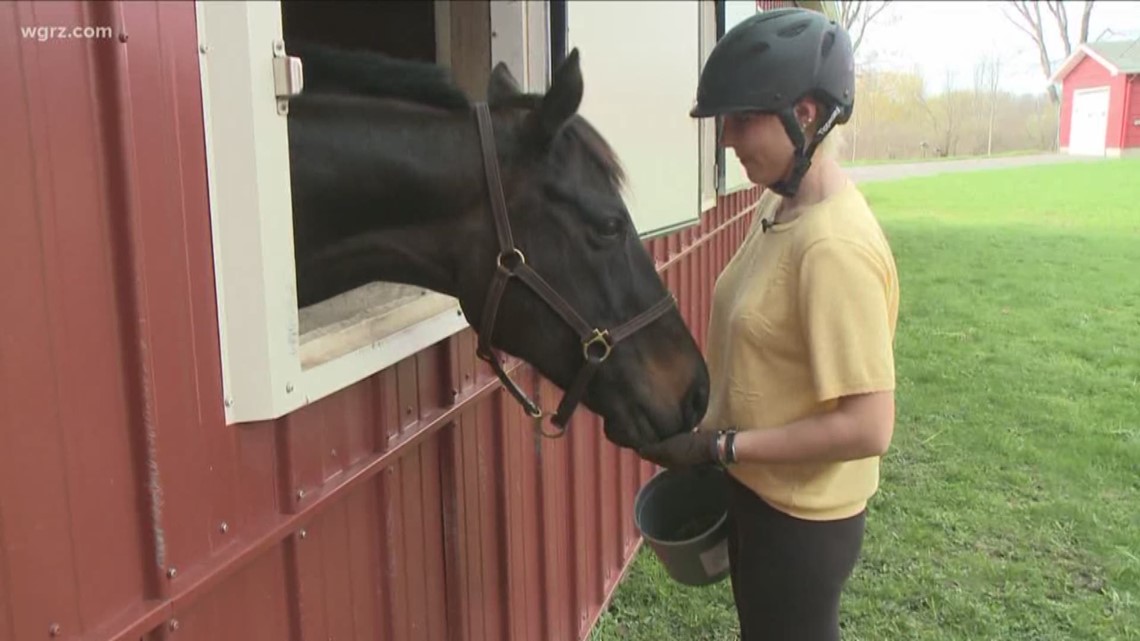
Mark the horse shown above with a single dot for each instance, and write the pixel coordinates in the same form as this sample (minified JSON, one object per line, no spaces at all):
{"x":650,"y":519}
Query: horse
{"x":395,"y":175}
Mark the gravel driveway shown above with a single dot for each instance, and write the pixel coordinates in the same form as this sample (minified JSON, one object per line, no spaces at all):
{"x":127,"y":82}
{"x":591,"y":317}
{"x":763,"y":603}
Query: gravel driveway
{"x":870,"y":173}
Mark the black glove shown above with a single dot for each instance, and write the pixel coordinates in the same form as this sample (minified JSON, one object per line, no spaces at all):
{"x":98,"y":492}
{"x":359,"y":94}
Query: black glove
{"x":683,"y":451}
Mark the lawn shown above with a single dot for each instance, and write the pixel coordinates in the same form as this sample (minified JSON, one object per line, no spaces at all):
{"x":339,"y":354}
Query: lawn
{"x":1010,"y":500}
{"x":893,"y":161}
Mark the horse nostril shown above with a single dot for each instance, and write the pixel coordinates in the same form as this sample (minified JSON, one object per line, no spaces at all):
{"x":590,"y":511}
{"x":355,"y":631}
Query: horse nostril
{"x":696,"y":404}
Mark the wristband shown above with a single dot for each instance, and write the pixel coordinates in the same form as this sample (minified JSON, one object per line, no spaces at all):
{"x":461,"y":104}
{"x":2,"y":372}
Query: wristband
{"x":724,"y":447}
{"x":730,"y":447}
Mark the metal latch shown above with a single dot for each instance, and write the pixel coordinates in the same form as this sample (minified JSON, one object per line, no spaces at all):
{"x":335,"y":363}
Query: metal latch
{"x":288,"y":77}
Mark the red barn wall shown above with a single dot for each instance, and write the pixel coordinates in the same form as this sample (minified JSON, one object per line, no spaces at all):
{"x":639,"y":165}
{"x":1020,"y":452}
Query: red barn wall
{"x":1088,"y":74}
{"x":390,"y":510}
{"x":1130,"y":127}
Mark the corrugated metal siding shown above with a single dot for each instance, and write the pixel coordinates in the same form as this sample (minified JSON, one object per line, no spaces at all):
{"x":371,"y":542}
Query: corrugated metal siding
{"x":395,"y":509}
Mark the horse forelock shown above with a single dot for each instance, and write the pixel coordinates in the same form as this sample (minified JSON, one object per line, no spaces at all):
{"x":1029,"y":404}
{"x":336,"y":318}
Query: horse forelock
{"x":583,"y":135}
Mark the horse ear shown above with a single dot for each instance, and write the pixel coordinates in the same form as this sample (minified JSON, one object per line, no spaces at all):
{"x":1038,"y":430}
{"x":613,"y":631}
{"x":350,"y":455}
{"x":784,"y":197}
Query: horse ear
{"x":562,"y":100}
{"x":502,"y":84}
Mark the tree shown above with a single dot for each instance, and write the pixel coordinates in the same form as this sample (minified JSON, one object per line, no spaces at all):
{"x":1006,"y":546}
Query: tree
{"x":855,"y":15}
{"x":987,"y":80}
{"x":888,"y":121}
{"x":995,"y":82}
{"x":1029,"y":20}
{"x":899,"y":116}
{"x":951,"y":112}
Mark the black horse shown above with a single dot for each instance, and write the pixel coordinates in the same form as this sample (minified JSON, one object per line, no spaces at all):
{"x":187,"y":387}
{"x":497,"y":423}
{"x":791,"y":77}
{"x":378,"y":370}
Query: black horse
{"x":388,"y":184}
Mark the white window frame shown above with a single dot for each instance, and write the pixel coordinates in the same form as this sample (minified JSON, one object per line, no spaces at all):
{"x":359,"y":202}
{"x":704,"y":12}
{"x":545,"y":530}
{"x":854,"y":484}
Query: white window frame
{"x":735,"y":177}
{"x":707,"y":142}
{"x":520,"y":38}
{"x":246,"y":144}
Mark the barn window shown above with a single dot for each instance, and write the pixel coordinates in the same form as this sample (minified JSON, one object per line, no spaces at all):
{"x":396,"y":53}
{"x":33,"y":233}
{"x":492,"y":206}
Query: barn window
{"x":276,"y":356}
{"x":399,"y":28}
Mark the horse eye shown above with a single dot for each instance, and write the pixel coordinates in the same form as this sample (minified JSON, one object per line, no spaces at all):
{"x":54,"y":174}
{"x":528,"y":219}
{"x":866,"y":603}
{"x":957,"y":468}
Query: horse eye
{"x":611,"y":228}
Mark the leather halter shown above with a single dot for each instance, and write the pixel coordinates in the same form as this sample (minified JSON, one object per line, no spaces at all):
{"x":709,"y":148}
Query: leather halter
{"x":597,"y":344}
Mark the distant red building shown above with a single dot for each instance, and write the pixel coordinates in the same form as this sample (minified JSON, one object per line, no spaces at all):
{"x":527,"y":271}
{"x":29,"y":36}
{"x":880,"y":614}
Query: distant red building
{"x":1100,"y":99}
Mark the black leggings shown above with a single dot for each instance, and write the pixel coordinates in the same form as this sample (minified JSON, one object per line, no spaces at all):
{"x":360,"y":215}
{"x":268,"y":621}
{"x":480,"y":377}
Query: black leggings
{"x":788,"y":573}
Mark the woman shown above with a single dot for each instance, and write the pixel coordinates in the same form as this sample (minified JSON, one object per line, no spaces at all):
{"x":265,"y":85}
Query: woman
{"x":800,"y":344}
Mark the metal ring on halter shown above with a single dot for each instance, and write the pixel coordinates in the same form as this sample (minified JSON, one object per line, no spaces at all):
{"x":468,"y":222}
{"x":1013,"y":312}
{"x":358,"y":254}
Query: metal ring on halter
{"x":514,"y":252}
{"x":599,"y":336}
{"x":541,"y":431}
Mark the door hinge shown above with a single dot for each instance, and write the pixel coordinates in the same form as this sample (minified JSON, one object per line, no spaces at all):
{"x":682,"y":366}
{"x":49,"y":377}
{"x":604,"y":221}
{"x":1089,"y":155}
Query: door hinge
{"x":288,"y":77}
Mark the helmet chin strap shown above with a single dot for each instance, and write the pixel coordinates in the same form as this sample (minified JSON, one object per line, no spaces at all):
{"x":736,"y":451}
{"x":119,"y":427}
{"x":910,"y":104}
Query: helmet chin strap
{"x":801,"y":160}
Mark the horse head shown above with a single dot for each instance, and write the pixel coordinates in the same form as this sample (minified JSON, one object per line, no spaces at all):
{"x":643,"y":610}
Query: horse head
{"x":394,"y":177}
{"x":562,"y":186}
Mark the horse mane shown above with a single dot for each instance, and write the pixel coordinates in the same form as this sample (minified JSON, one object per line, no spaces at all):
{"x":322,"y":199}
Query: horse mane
{"x":330,"y":69}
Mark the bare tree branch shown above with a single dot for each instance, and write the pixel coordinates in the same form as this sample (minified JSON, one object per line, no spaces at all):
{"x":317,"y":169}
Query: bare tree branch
{"x":856,"y":15}
{"x":1023,"y":29}
{"x":871,"y":14}
{"x":1022,"y":8}
{"x":993,"y":65}
{"x":848,"y":13}
{"x":1084,"y":35}
{"x":1032,"y":25}
{"x":1057,"y":8}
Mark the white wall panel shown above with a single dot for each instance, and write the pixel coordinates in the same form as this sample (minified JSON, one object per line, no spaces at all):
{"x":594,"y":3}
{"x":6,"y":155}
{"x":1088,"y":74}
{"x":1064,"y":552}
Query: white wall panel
{"x":735,"y":12}
{"x":640,"y":62}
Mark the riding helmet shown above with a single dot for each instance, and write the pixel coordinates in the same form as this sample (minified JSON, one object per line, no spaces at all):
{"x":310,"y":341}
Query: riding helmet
{"x":769,"y":62}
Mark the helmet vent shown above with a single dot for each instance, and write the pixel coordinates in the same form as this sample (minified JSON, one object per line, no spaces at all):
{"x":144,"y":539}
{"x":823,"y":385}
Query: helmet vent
{"x":828,"y":42}
{"x":793,"y":30}
{"x":758,"y":48}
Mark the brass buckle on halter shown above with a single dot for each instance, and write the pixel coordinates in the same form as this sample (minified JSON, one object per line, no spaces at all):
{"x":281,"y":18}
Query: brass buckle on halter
{"x":599,"y":336}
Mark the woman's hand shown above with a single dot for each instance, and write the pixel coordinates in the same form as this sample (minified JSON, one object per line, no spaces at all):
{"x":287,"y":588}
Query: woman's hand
{"x":683,"y":451}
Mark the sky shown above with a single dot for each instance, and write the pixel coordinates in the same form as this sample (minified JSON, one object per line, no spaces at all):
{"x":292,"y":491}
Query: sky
{"x":954,"y":35}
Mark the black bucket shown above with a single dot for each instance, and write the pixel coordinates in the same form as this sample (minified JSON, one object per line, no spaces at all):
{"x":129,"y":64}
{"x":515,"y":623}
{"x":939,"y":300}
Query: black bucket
{"x":683,"y":515}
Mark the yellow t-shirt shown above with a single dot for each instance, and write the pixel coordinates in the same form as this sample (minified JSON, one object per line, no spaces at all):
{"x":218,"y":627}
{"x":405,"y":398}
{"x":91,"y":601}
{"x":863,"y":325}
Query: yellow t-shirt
{"x":804,"y":313}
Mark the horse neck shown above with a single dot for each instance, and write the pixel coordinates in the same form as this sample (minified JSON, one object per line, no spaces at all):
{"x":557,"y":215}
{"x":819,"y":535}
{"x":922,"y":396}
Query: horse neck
{"x":385,"y":191}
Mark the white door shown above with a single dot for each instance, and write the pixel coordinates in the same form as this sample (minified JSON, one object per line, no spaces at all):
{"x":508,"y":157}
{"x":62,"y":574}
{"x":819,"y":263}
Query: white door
{"x":1089,"y":125}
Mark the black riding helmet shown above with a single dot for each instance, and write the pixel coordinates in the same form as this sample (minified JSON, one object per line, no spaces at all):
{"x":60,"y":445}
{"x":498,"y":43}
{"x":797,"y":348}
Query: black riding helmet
{"x":768,"y":63}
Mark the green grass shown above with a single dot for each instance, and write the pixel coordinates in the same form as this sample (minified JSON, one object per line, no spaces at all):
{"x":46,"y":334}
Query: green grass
{"x":895,"y":161}
{"x":1010,"y":500}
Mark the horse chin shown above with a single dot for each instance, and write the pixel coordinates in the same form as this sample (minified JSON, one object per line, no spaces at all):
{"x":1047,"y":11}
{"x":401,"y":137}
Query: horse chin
{"x":631,"y":433}
{"x":619,"y":437}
